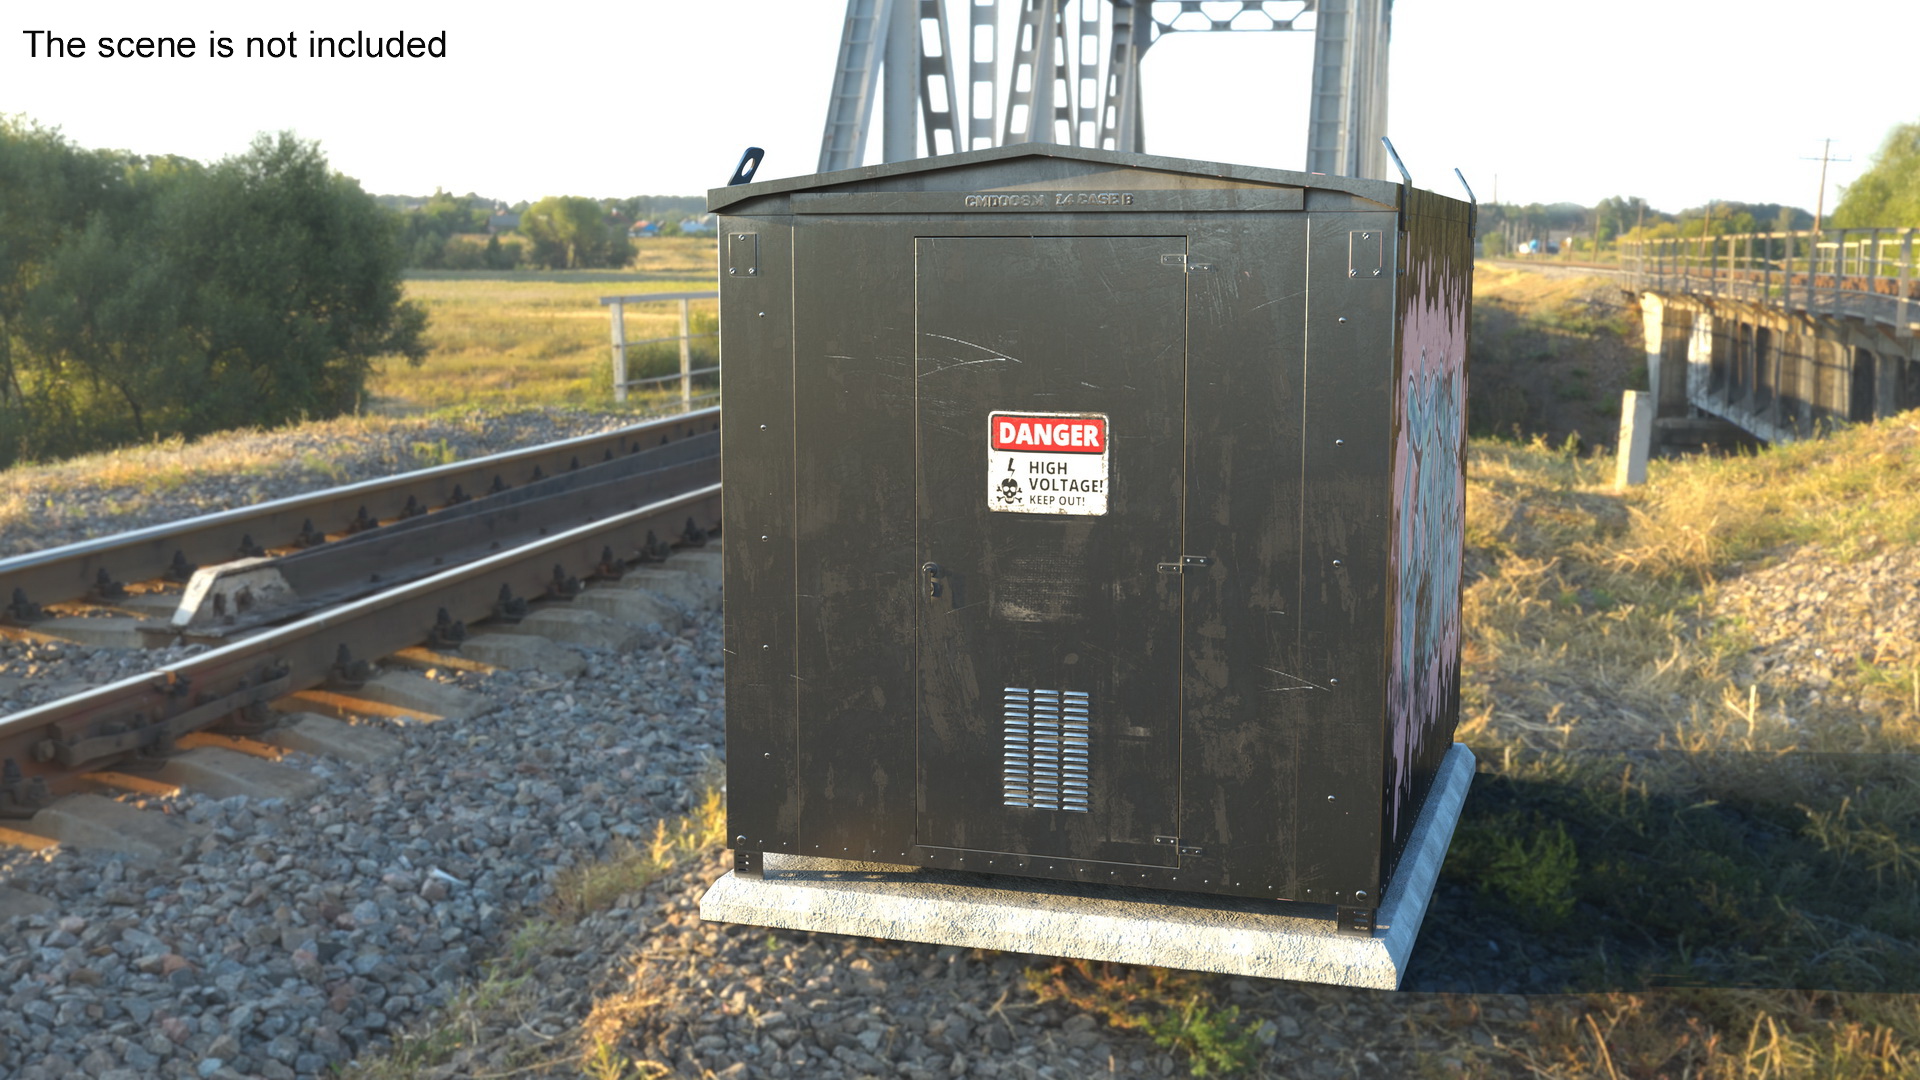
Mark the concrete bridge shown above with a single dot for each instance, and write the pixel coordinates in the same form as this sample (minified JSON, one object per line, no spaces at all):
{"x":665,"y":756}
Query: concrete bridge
{"x":1782,"y":334}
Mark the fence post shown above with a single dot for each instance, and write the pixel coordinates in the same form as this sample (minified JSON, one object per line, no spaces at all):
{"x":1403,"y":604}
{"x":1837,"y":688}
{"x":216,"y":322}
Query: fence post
{"x":1906,"y":281}
{"x":686,"y":358}
{"x":1786,"y":273}
{"x":619,"y":352}
{"x":1636,"y":439}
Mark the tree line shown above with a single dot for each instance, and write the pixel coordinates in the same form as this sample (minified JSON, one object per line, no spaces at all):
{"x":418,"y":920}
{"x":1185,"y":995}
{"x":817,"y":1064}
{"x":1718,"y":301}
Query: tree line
{"x":1886,"y":195}
{"x":143,"y":297}
{"x":563,"y":232}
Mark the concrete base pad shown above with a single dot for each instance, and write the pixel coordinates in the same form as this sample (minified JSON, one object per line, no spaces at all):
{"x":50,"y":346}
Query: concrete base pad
{"x":225,"y":773}
{"x":1266,"y":939}
{"x":94,"y":821}
{"x":641,"y":607}
{"x":524,"y":652}
{"x":316,"y":734}
{"x":574,"y":627}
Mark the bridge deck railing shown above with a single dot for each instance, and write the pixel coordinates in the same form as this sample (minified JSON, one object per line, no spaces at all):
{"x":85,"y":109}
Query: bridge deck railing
{"x":1861,"y":273}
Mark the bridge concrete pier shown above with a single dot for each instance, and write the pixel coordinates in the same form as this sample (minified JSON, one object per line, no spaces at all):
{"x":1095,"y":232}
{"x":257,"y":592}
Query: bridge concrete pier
{"x":1669,"y":330}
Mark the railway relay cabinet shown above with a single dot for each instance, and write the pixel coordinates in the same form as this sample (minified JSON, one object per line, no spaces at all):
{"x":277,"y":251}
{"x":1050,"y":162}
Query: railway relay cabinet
{"x":1094,"y":517}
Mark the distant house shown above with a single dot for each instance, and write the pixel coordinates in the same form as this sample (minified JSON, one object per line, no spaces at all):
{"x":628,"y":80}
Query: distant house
{"x":640,"y":230}
{"x":697,"y":226}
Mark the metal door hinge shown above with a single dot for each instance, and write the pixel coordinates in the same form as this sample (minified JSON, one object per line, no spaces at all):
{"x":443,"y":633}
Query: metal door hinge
{"x":1186,"y":563}
{"x":743,"y":254}
{"x":1366,"y":253}
{"x":1174,"y":842}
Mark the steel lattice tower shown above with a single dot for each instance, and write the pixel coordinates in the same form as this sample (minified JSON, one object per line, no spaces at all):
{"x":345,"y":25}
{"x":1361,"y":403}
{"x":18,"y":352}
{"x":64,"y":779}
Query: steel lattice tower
{"x":1060,"y":90}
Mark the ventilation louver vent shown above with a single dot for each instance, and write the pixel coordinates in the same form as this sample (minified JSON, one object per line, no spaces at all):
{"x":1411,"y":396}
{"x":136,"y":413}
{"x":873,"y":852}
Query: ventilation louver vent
{"x":1045,"y":738}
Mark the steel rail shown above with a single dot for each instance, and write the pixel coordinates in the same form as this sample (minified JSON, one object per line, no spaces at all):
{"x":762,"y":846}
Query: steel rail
{"x":175,"y":549}
{"x":146,"y":713}
{"x":234,"y":598}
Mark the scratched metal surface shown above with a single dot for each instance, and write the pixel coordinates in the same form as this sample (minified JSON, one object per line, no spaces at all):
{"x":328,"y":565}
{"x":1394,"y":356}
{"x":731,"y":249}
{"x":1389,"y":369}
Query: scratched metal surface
{"x":1051,"y":324}
{"x":1253,"y":400}
{"x":756,"y":466}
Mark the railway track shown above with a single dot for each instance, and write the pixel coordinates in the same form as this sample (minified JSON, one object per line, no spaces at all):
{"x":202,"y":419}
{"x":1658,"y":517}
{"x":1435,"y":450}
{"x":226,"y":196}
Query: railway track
{"x":303,"y":594}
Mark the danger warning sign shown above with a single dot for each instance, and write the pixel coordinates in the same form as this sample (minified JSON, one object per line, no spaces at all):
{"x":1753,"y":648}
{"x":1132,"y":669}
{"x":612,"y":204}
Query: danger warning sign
{"x":1047,"y":463}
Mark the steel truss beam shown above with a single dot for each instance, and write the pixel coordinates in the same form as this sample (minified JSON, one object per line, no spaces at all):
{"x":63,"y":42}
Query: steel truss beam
{"x":1059,"y":91}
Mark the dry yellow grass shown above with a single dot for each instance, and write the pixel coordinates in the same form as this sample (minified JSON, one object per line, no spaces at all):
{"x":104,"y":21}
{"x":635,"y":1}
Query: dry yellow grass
{"x":1588,"y":608}
{"x":521,"y":338}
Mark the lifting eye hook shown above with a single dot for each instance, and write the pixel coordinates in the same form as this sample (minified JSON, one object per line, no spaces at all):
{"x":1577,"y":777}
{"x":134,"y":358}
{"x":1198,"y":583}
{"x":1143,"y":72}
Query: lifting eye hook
{"x":932,"y":570}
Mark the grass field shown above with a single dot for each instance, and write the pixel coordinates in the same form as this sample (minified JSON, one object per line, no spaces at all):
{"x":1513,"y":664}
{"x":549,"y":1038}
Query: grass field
{"x":1551,"y":355}
{"x":531,"y":337}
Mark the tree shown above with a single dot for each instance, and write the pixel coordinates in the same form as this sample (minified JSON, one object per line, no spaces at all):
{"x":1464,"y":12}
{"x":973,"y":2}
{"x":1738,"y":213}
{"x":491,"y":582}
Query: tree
{"x":570,"y":232}
{"x":1888,"y":193}
{"x":427,"y":231}
{"x":143,"y":297}
{"x":1615,"y":216}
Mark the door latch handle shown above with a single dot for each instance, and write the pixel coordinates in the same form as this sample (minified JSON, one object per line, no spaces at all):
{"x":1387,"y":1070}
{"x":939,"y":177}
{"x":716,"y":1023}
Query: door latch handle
{"x":932,"y":570}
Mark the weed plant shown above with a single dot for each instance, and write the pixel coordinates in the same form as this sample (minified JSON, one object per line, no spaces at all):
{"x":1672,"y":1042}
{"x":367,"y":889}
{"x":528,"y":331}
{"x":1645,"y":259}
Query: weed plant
{"x":1171,"y":1007}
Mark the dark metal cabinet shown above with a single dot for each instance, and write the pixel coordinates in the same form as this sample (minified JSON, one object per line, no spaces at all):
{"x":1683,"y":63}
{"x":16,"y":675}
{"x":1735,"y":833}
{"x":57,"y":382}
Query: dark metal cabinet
{"x":1093,"y":517}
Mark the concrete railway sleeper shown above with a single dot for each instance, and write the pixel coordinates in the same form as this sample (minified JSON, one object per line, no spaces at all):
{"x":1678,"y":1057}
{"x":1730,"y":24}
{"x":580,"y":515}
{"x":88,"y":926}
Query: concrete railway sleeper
{"x":140,"y":720}
{"x":224,"y":601}
{"x":100,"y":569}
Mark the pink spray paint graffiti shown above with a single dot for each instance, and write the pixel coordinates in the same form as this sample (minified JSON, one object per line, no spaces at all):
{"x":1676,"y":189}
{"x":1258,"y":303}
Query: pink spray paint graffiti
{"x":1429,"y":518}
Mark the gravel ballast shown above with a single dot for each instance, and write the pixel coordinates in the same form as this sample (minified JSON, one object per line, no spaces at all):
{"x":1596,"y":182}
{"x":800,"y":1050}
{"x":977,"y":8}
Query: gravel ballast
{"x":299,"y":935}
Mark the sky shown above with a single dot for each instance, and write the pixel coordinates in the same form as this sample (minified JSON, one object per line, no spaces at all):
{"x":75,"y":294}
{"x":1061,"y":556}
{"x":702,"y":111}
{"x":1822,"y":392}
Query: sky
{"x":1679,"y":102}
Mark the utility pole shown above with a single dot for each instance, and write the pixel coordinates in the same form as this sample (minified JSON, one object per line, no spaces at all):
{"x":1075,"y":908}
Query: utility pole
{"x":1820,"y":200}
{"x":1706,"y":223}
